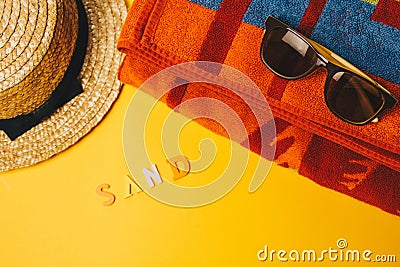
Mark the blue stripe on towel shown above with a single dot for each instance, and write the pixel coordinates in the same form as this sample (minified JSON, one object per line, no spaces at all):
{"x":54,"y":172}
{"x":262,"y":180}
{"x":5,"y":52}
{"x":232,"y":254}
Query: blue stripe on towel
{"x":344,"y":26}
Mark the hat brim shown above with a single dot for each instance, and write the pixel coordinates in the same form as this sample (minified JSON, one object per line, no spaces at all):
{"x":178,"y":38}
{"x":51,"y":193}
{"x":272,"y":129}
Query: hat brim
{"x":100,"y":89}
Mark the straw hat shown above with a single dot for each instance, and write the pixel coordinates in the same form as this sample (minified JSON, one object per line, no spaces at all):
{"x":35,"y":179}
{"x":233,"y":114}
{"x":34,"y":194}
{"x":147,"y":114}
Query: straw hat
{"x":58,"y":74}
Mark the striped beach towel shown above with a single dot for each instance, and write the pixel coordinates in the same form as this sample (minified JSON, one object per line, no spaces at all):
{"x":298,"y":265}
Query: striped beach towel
{"x":362,"y":162}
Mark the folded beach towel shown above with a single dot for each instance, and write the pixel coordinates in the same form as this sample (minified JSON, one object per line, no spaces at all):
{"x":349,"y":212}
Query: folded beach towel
{"x":360,"y":161}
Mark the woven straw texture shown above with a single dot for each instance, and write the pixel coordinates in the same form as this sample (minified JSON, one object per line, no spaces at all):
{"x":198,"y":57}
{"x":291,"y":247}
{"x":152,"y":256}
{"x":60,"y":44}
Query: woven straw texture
{"x":32,"y":44}
{"x":34,"y":53}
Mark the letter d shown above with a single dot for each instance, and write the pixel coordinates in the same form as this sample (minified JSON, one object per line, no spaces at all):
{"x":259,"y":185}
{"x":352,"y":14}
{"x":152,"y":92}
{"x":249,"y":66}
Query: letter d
{"x":260,"y":253}
{"x":179,"y":171}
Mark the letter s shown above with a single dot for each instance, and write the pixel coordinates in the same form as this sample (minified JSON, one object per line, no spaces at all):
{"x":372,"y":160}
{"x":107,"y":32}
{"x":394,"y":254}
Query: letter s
{"x":110,"y":196}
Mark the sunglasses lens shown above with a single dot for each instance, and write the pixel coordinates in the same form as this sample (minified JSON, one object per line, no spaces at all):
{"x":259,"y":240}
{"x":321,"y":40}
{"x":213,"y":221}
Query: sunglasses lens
{"x":353,"y":98}
{"x":287,"y":54}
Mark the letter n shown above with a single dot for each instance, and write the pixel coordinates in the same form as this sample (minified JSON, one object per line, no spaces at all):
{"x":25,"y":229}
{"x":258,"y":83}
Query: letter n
{"x":152,"y":175}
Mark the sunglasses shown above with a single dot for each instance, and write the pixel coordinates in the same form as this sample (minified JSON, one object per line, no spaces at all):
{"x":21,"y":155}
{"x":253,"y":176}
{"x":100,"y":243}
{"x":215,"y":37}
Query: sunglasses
{"x":349,"y":93}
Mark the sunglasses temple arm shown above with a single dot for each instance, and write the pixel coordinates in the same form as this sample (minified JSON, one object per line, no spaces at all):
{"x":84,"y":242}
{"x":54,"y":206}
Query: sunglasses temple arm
{"x":330,"y":56}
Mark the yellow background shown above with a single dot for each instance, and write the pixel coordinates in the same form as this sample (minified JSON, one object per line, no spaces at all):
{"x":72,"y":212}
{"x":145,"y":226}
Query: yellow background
{"x":52,"y":215}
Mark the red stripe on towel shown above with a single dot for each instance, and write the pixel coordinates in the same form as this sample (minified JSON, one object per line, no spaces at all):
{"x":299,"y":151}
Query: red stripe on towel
{"x":388,"y":12}
{"x":219,"y":39}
